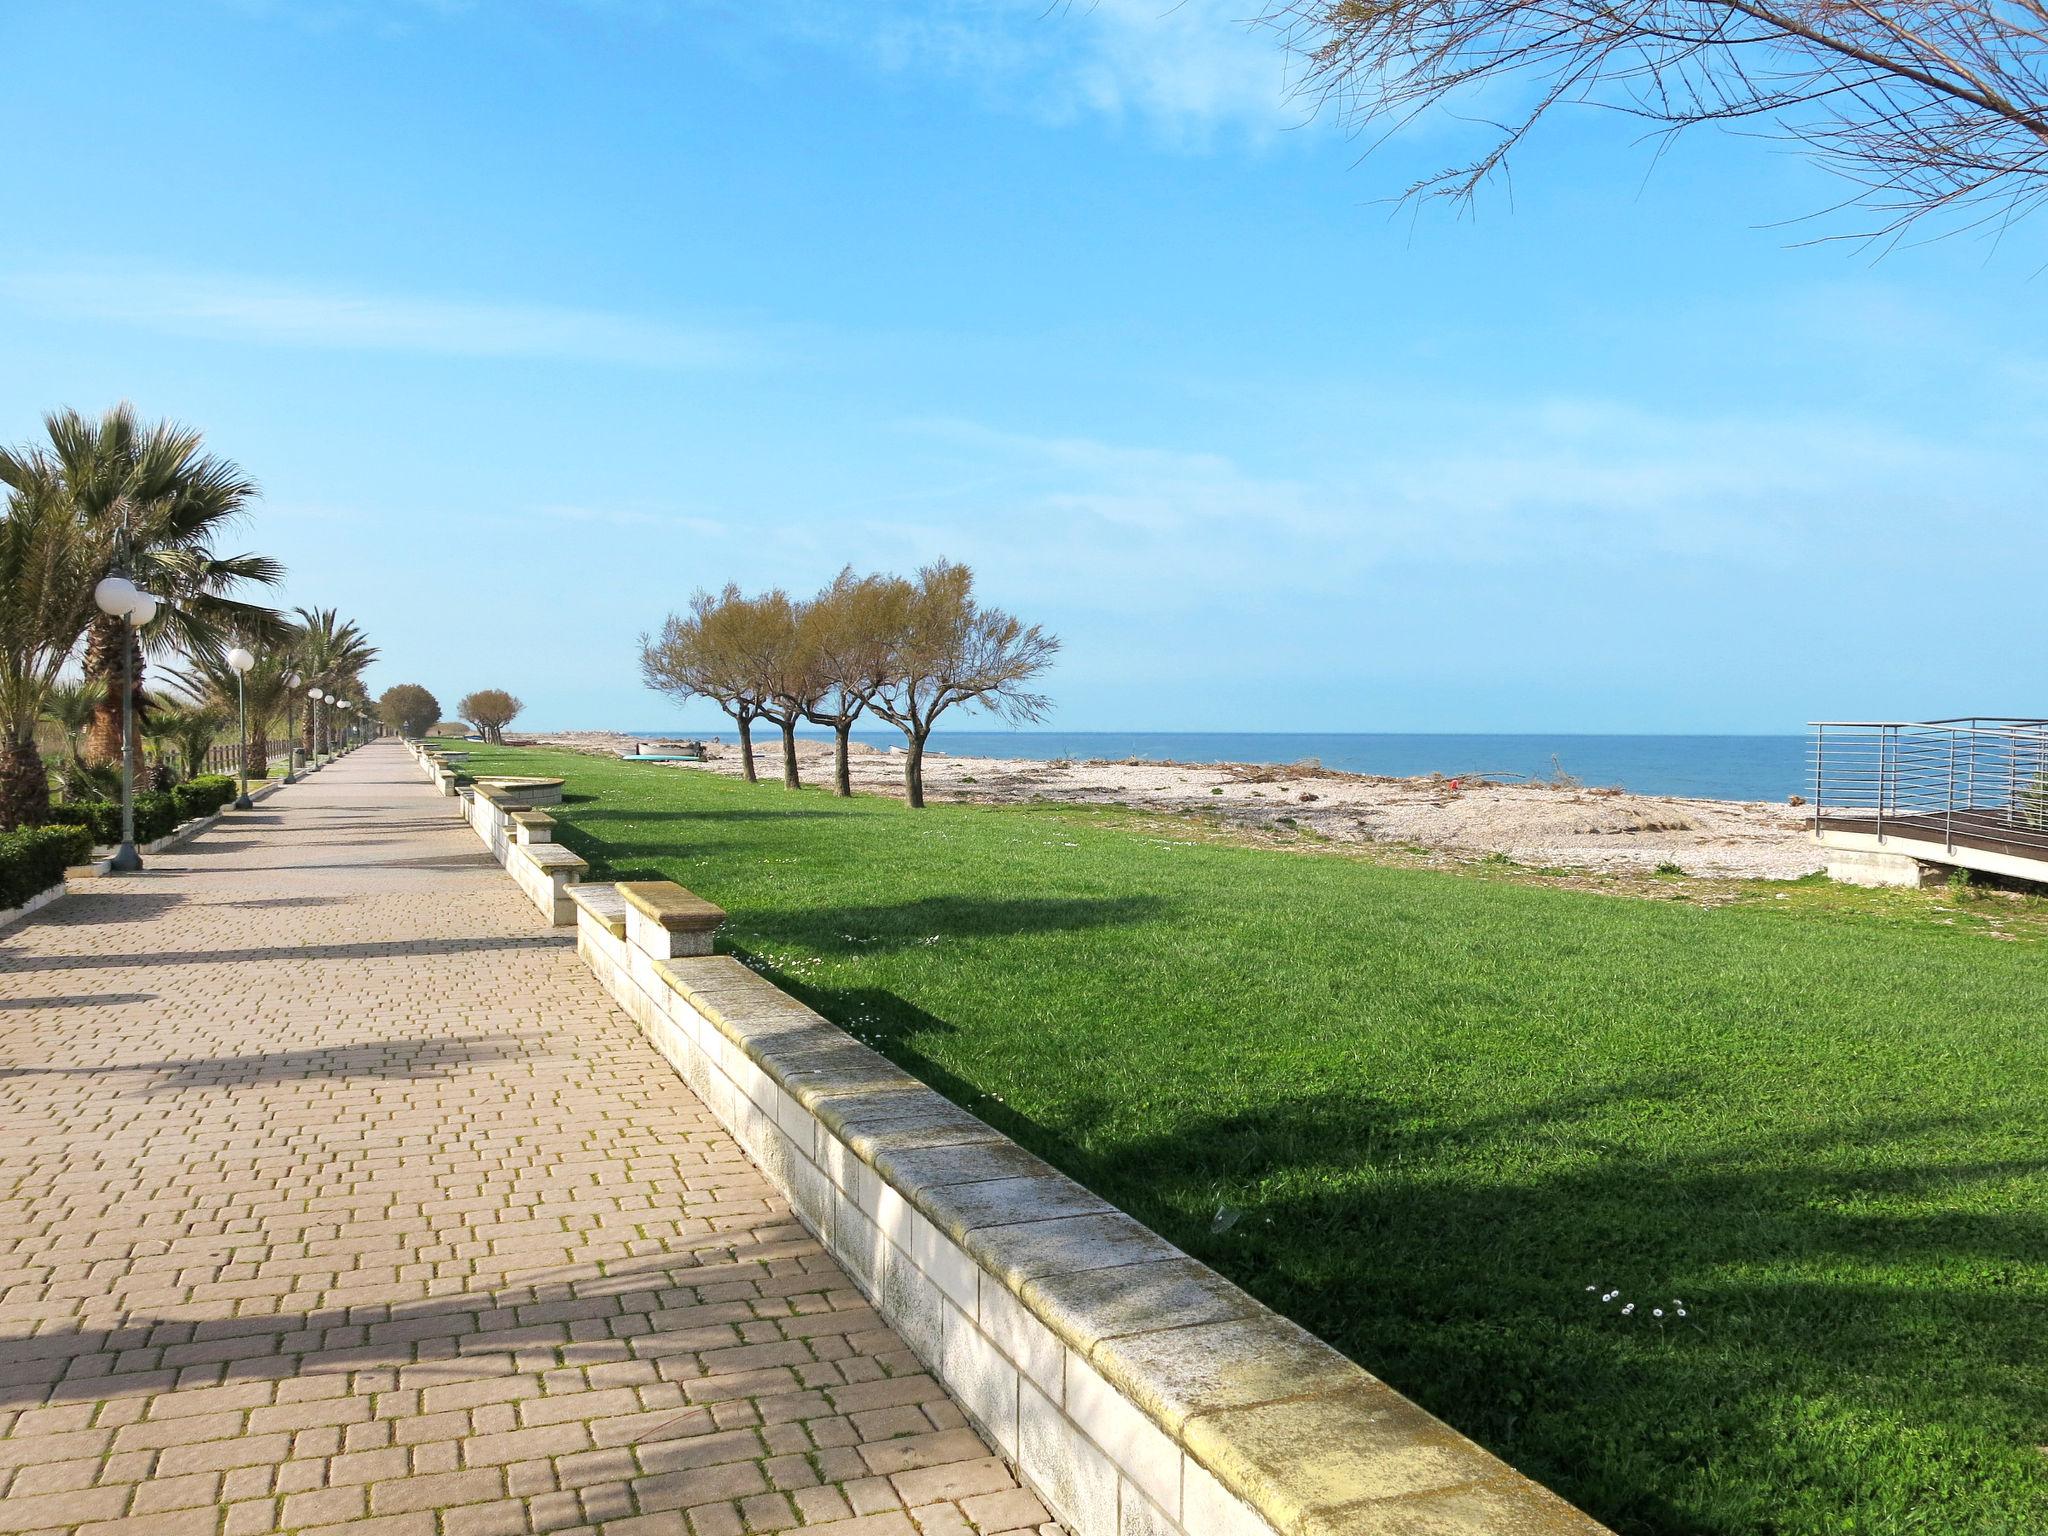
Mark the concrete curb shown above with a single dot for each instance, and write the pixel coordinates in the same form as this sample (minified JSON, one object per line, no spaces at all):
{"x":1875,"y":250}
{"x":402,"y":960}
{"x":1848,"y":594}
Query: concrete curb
{"x":35,"y":903}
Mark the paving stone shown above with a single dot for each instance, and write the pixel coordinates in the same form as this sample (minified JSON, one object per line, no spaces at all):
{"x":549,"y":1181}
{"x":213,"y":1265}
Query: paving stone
{"x":356,"y":1204}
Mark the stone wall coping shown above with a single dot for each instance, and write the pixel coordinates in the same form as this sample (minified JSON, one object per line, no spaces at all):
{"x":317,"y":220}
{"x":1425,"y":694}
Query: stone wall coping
{"x":1305,"y":1437}
{"x":549,"y":856}
{"x":603,"y":903}
{"x":666,"y":903}
{"x":533,"y":818}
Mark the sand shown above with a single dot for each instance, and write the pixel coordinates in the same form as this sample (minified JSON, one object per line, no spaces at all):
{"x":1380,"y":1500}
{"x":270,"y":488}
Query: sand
{"x":1557,"y":825}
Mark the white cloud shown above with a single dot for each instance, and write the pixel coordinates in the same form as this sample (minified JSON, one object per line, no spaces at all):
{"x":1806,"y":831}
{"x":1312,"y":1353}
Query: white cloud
{"x":262,"y":310}
{"x":1185,"y":70}
{"x":1585,"y":484}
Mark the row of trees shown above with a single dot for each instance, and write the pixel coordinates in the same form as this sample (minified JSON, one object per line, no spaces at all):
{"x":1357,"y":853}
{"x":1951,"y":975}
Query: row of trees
{"x":411,"y":710}
{"x":903,"y":650}
{"x":112,"y":494}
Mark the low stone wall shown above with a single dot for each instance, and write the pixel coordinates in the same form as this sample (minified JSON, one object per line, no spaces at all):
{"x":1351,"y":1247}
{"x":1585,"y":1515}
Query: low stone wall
{"x":522,"y":840}
{"x":1138,"y":1391}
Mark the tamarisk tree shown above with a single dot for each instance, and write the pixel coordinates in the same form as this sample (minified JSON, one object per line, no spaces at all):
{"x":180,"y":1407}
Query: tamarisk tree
{"x":847,"y":635}
{"x":704,"y":655}
{"x":1924,"y":105}
{"x":490,"y":710}
{"x":770,"y":633}
{"x":946,"y":649}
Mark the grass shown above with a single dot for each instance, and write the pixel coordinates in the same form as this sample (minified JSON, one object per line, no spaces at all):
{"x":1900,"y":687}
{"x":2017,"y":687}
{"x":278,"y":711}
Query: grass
{"x":1436,"y":1115}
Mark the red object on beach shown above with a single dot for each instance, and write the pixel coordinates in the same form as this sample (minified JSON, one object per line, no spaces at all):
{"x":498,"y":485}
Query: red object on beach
{"x":1454,"y":783}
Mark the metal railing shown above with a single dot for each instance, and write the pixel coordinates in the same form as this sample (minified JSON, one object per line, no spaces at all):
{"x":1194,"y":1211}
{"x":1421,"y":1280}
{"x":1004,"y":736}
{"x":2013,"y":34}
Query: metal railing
{"x":1969,"y":781}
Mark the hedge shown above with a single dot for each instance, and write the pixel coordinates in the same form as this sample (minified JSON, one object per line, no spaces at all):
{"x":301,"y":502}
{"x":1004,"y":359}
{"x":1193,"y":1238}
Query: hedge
{"x":156,"y":815}
{"x":204,"y":795}
{"x":35,"y":858}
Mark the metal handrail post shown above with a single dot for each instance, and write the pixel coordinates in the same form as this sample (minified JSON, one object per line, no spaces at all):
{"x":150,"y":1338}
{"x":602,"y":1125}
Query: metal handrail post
{"x":1949,"y":824}
{"x":1820,"y":747}
{"x":1884,"y":734}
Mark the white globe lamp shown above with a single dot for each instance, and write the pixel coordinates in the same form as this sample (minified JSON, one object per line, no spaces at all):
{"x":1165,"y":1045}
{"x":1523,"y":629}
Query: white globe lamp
{"x":115,"y":596}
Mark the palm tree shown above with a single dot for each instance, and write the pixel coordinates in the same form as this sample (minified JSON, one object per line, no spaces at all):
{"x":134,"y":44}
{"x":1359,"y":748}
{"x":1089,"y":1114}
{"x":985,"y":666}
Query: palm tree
{"x":265,"y":688}
{"x":71,"y":705}
{"x":162,"y":732}
{"x":331,"y":654}
{"x":153,"y":497}
{"x":48,"y":564}
{"x":194,"y":732}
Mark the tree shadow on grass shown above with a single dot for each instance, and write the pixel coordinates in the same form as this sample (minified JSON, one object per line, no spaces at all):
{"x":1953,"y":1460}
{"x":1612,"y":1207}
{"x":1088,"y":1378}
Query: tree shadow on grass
{"x":711,"y":815}
{"x":1862,"y":1328}
{"x":928,"y":920}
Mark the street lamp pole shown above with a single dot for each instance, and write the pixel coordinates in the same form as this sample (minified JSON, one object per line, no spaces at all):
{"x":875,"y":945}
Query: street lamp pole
{"x":242,"y":661}
{"x":118,"y":597}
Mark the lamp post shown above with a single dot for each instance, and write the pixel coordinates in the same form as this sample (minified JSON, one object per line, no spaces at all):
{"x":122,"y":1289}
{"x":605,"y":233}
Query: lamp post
{"x":291,"y":728}
{"x":242,"y":661}
{"x":120,"y":598}
{"x":313,"y":697}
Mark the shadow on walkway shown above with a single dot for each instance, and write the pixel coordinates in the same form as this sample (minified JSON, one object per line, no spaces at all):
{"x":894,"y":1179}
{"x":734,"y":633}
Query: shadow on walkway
{"x":397,"y":1060}
{"x":366,"y":949}
{"x":647,"y":1303}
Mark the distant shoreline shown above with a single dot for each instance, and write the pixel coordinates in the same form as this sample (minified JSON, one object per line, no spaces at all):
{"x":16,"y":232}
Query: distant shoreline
{"x":1694,"y":766}
{"x":1558,"y":822}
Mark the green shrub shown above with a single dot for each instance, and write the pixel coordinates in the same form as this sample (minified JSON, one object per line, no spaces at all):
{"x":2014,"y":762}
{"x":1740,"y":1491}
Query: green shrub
{"x":35,"y":858}
{"x":204,"y":795}
{"x":100,"y":818}
{"x":156,"y":815}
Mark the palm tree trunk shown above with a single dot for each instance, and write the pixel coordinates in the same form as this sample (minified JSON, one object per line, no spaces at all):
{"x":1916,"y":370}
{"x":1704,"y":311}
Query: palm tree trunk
{"x":24,"y":785}
{"x":257,"y":766}
{"x":842,"y":771}
{"x":790,"y":780}
{"x":104,"y":657}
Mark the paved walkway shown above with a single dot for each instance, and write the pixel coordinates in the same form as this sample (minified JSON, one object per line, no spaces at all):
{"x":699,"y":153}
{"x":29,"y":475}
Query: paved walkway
{"x":334,"y":1193}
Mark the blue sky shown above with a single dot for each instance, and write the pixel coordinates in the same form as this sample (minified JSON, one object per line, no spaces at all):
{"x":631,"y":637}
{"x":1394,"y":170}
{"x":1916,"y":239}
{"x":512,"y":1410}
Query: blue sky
{"x":533,"y":317}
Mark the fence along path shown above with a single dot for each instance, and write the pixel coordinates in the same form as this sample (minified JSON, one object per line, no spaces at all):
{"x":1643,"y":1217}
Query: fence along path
{"x":333,"y":1189}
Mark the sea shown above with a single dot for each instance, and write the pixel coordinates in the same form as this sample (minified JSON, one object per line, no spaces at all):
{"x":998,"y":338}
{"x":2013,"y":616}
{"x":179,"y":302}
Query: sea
{"x":1706,"y":767}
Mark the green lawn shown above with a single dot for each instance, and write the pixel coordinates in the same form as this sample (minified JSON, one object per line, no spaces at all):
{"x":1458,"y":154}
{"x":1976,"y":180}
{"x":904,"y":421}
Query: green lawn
{"x":1436,"y":1117}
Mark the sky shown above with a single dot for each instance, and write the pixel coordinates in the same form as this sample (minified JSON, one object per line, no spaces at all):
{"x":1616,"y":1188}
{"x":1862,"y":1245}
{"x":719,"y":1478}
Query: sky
{"x":532,"y":317}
